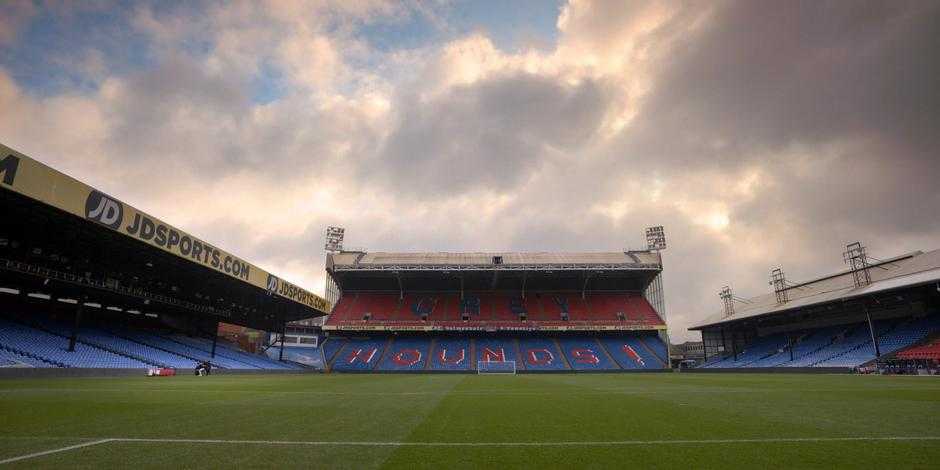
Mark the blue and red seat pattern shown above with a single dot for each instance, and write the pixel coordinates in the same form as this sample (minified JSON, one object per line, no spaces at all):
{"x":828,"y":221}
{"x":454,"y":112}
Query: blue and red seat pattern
{"x":531,"y":353}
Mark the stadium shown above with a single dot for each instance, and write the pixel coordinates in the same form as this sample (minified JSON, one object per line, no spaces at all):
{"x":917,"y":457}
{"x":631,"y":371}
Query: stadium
{"x":522,"y":312}
{"x":113,"y":353}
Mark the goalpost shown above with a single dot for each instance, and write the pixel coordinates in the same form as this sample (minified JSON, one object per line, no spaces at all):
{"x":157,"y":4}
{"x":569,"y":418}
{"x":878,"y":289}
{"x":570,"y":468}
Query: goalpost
{"x":496,"y":367}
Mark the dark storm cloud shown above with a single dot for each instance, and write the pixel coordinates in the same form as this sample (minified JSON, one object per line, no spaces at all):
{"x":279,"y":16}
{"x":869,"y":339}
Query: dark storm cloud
{"x":764,"y":75}
{"x":848,"y":82}
{"x":488,"y":134}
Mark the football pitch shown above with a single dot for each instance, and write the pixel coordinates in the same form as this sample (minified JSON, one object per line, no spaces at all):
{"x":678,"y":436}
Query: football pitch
{"x":469,"y":421}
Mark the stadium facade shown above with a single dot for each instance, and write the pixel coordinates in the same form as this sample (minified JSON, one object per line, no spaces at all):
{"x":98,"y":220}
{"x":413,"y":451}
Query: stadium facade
{"x":87,"y":281}
{"x":463,"y":312}
{"x":878,"y":314}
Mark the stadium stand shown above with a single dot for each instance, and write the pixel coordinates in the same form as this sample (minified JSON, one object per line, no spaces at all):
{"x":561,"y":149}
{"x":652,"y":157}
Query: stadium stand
{"x":931,"y":350}
{"x":331,"y":346}
{"x":586,"y":353}
{"x":11,"y":358}
{"x":630,"y":353}
{"x":498,"y":310}
{"x":359,"y":354}
{"x":51,"y":348}
{"x":227,"y":351}
{"x":450,"y":311}
{"x":42,"y":342}
{"x":854,"y":318}
{"x":451,"y":354}
{"x":541,"y":354}
{"x":498,"y":350}
{"x":835,"y":346}
{"x":655,"y":345}
{"x":164,"y":343}
{"x":531,"y":352}
{"x":88,"y":281}
{"x":406,"y":354}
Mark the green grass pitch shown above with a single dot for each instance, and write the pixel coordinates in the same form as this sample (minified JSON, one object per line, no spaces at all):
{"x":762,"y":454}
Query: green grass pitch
{"x":469,"y":421}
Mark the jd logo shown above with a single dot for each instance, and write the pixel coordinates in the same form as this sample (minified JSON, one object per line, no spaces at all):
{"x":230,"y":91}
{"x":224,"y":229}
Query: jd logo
{"x":272,"y":284}
{"x":104,"y":210}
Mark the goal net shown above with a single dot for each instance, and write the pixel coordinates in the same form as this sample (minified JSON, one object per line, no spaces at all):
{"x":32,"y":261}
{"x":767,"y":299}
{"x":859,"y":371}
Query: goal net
{"x":496,"y":367}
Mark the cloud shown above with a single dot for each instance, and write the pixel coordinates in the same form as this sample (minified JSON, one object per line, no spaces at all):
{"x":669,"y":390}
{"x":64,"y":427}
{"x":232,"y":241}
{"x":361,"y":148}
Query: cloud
{"x":490,"y":134}
{"x":759,"y":133}
{"x":14,"y":15}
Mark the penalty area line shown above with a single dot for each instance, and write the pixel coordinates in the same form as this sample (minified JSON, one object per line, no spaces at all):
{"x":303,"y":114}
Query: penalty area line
{"x":54,"y":451}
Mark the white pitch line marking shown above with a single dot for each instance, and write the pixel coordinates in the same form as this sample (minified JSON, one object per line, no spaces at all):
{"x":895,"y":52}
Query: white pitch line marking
{"x":472,"y":444}
{"x":531,"y":444}
{"x":54,"y":451}
{"x":443,"y":392}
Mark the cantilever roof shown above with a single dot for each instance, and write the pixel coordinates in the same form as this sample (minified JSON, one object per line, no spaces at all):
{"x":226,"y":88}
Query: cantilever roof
{"x":913,"y":269}
{"x":354,"y":261}
{"x":50,"y":188}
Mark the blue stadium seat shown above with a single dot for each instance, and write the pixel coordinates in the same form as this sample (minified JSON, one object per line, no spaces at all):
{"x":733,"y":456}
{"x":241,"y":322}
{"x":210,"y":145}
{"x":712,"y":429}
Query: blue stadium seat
{"x":359,"y":354}
{"x":653,"y":342}
{"x":496,"y":349}
{"x":157,"y":356}
{"x":451,"y":354}
{"x":331,"y":345}
{"x":630,"y":353}
{"x":834,"y":346}
{"x":406,"y":354}
{"x":161,"y":342}
{"x":53,"y":348}
{"x":14,"y":359}
{"x":540,"y":354}
{"x":584,"y":353}
{"x":223,"y":349}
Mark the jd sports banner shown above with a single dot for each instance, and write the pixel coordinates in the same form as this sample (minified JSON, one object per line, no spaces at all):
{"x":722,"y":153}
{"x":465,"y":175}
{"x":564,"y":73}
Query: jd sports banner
{"x":40,"y":182}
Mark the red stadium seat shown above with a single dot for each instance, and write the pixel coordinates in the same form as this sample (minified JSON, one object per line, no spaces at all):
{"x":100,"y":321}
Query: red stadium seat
{"x":496,"y":310}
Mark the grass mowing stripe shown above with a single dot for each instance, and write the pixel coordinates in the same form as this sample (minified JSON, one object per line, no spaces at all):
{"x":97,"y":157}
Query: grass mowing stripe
{"x":54,"y":451}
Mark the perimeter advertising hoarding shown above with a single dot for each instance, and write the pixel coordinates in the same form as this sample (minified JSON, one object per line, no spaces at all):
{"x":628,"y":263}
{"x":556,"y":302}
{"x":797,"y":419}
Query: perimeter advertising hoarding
{"x":37,"y":181}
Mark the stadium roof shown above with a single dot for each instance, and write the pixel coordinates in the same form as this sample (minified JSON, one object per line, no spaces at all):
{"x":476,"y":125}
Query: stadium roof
{"x":910,"y":270}
{"x":505,"y":261}
{"x":48,"y":209}
{"x":359,"y":271}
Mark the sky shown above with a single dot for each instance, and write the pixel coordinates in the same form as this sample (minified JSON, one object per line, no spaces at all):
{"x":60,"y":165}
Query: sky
{"x":760,"y":134}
